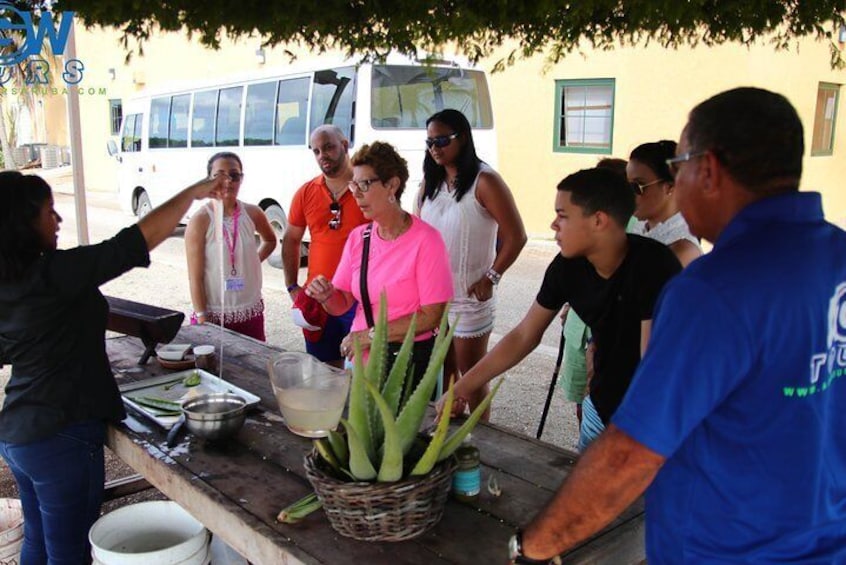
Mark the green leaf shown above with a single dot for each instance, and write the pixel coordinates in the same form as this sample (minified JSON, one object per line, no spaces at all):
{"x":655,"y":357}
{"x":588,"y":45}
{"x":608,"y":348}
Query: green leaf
{"x":414,"y":410}
{"x":359,"y":398}
{"x":454,"y":441}
{"x":339,"y":447}
{"x":360,"y":465}
{"x":394,"y":385}
{"x":391,"y":467}
{"x":430,"y":456}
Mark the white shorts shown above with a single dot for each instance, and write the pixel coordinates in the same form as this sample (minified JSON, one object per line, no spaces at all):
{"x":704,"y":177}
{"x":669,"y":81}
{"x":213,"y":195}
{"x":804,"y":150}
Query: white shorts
{"x":474,"y":318}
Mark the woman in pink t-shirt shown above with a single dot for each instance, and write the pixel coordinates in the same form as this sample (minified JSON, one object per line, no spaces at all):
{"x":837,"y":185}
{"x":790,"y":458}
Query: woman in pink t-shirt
{"x":407,"y":259}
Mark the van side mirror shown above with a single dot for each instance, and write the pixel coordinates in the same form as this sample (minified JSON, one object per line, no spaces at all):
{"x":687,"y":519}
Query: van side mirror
{"x":111,"y":147}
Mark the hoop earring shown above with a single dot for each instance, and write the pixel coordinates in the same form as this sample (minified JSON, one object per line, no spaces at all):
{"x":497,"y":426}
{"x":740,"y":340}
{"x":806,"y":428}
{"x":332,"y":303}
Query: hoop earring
{"x":392,"y":199}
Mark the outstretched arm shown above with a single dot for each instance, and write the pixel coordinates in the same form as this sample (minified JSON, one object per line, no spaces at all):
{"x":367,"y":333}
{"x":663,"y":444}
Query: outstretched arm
{"x":160,"y":223}
{"x":510,"y":350}
{"x":611,"y":474}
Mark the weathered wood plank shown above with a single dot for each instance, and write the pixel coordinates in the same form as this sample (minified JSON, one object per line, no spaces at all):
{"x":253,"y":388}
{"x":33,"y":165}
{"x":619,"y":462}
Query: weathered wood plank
{"x":238,"y":487}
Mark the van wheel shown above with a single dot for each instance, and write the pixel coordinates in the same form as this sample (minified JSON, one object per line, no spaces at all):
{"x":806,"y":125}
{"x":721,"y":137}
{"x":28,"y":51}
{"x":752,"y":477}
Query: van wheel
{"x":142,"y":205}
{"x":278,"y":221}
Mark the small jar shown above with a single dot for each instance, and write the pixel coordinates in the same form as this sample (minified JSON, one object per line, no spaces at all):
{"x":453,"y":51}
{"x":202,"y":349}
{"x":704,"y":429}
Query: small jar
{"x":204,"y":358}
{"x":467,"y":480}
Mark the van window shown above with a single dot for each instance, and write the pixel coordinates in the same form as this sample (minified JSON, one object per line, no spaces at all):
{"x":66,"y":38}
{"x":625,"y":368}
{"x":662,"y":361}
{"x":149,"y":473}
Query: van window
{"x":332,"y":99}
{"x":159,"y":118}
{"x":405,"y":96}
{"x":178,"y":134}
{"x":259,"y":113}
{"x":291,"y":108}
{"x":130,"y":139}
{"x":202,"y":119}
{"x":228,"y":130}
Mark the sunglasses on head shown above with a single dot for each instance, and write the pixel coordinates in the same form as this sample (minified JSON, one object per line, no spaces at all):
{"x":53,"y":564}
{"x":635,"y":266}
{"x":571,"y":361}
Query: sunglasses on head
{"x":335,"y":220}
{"x":440,"y":141}
{"x":639,"y":189}
{"x":233,"y":176}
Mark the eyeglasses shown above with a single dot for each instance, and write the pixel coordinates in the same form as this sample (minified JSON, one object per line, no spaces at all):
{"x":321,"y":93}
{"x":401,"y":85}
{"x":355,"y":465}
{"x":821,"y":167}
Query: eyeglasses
{"x":233,"y":176}
{"x":363,"y":185}
{"x":639,"y":189}
{"x":440,"y":141}
{"x":674,"y":162}
{"x":335,"y":220}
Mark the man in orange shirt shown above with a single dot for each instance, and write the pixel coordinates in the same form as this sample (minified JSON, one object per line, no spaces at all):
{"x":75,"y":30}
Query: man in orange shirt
{"x":328,"y":209}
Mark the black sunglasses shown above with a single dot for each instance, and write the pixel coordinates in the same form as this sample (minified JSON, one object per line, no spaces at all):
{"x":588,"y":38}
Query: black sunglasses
{"x":639,"y":189}
{"x":335,"y":220}
{"x":440,"y":141}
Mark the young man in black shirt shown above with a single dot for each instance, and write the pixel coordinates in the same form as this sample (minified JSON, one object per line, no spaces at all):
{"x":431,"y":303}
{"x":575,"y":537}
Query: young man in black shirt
{"x":610,"y":278}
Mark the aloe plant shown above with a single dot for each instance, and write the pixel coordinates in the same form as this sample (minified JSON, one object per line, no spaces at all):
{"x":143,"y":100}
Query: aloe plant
{"x":385,"y":414}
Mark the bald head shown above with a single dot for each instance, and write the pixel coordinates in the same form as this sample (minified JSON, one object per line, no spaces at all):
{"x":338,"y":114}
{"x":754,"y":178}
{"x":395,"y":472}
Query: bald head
{"x":328,"y":130}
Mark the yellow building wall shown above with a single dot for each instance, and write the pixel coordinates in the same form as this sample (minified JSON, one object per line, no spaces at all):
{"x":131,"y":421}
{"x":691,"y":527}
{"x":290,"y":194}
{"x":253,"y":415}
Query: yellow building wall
{"x":654,"y":90}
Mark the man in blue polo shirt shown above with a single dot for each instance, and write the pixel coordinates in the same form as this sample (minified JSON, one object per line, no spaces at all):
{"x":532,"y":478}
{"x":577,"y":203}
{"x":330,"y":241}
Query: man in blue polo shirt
{"x":736,"y":416}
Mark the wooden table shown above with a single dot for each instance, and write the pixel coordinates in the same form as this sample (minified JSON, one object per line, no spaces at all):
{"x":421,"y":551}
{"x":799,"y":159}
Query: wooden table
{"x":236,"y":488}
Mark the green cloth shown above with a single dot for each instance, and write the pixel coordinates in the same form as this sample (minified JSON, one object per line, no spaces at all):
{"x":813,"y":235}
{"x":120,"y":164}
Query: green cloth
{"x":573,"y":376}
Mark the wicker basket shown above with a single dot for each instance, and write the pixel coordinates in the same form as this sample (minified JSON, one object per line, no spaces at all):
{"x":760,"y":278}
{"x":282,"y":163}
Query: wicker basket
{"x":382,"y":511}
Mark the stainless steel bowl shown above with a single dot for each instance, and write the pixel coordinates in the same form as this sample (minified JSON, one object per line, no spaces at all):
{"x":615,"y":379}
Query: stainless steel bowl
{"x":216,"y":415}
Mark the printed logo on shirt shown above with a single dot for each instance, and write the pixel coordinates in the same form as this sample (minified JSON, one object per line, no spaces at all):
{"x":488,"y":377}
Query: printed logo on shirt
{"x":825,"y":367}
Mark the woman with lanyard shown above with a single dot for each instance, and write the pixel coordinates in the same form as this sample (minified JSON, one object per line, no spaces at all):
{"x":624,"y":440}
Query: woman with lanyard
{"x":238,"y":306}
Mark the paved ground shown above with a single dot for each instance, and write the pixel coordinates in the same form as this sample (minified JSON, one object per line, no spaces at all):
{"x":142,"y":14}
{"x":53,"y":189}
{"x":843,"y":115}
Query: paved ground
{"x":520,"y":400}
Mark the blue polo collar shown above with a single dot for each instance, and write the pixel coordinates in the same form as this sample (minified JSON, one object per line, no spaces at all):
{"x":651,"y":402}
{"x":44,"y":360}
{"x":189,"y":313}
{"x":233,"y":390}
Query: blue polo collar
{"x":792,"y":207}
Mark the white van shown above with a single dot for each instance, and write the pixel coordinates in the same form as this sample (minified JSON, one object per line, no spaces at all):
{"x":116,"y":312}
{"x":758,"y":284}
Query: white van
{"x":168,"y":135}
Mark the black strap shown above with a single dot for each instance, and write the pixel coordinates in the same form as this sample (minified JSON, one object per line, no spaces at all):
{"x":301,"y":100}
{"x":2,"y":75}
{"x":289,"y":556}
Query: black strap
{"x":365,"y":296}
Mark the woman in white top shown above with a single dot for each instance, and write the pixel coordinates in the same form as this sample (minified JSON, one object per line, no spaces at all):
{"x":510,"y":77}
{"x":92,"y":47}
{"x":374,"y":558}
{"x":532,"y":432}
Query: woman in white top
{"x":473,"y":209}
{"x":655,"y":200}
{"x":225,"y":278}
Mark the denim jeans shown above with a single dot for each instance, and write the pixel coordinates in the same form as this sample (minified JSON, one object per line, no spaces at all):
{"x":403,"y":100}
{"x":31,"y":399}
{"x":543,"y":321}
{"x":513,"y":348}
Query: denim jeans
{"x":591,"y":426}
{"x":60,"y":480}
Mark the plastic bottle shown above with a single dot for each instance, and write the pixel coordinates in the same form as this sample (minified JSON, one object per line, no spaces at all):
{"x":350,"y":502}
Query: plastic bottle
{"x":467,"y":480}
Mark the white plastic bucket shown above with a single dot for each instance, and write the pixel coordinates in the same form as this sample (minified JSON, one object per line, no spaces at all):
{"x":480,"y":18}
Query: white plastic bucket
{"x":11,"y":531}
{"x":158,"y":532}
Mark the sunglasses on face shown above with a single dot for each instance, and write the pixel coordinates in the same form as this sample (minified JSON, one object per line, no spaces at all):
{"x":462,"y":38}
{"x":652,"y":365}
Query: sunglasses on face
{"x":440,"y":141}
{"x":233,"y":176}
{"x":362,"y":185}
{"x":639,"y":189}
{"x":335,"y":220}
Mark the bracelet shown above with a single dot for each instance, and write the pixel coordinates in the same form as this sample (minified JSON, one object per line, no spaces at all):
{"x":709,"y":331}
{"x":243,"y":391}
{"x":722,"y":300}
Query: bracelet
{"x":195,"y":317}
{"x":291,"y":287}
{"x":493,"y":276}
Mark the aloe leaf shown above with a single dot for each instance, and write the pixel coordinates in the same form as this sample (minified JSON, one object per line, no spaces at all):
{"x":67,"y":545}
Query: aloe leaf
{"x":412,"y":413}
{"x":360,"y":466}
{"x":430,"y":456}
{"x":394,"y":385}
{"x":391,"y":466}
{"x":454,"y":441}
{"x":326,"y":453}
{"x":357,"y":414}
{"x":377,"y":367}
{"x":339,"y":447}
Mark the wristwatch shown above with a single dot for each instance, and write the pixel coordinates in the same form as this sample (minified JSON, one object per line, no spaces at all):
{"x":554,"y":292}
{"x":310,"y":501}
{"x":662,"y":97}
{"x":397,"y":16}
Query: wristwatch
{"x":292,"y":287}
{"x":515,"y":551}
{"x":493,"y":276}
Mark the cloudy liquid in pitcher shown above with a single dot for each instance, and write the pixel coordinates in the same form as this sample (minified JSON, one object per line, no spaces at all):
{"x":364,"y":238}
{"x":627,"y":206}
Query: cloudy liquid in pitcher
{"x":311,"y":412}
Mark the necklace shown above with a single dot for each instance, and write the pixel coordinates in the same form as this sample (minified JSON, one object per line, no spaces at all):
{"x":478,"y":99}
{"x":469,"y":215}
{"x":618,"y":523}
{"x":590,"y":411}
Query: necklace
{"x":404,"y":225}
